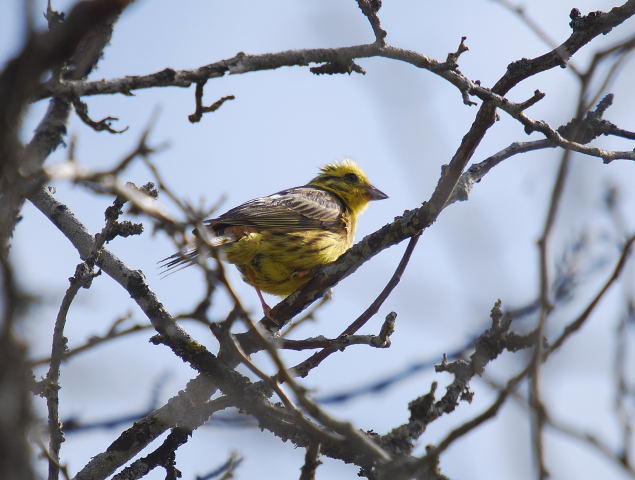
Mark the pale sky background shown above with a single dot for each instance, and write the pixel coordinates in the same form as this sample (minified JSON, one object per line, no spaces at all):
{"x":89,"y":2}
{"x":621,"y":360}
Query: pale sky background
{"x":401,"y":124}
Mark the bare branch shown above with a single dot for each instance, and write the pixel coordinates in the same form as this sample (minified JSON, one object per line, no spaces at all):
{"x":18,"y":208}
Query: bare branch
{"x":112,"y":334}
{"x":190,"y":407}
{"x":370,"y":9}
{"x":98,"y":125}
{"x":425,"y":409}
{"x":535,"y":27}
{"x":227,"y":469}
{"x":82,"y":279}
{"x":164,"y":456}
{"x":311,"y":462}
{"x":200,"y":108}
{"x":340,"y":343}
{"x":477,"y":171}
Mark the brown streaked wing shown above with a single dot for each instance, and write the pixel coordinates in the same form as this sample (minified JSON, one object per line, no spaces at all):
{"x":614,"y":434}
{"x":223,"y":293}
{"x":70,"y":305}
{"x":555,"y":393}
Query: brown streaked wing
{"x":297,"y":209}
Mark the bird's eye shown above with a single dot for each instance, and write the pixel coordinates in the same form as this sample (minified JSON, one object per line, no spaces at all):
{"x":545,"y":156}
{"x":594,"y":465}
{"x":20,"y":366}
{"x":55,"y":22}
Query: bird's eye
{"x":351,"y":177}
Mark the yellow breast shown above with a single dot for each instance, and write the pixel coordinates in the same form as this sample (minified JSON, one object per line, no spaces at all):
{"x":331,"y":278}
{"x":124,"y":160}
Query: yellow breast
{"x":281,"y":262}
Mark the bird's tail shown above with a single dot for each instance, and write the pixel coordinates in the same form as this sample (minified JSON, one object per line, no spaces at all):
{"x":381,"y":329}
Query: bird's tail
{"x":178,"y":261}
{"x":183,"y":259}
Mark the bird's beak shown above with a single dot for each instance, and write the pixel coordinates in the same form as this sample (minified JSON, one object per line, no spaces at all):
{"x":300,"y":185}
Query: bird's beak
{"x":375,"y":193}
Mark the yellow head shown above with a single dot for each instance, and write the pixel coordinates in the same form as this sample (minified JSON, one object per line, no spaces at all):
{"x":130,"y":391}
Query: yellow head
{"x":346,"y":180}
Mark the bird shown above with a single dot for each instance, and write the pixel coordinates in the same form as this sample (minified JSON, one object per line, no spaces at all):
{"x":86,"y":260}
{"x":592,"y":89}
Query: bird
{"x":278,"y":241}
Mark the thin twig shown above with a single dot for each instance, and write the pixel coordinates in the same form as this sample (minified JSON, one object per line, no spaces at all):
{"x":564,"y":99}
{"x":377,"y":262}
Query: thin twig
{"x":314,"y":360}
{"x":311,"y":462}
{"x":535,"y":27}
{"x":370,"y":9}
{"x":538,"y":411}
{"x":227,"y":469}
{"x":82,"y":278}
{"x":623,"y":49}
{"x":47,"y":454}
{"x":582,"y":318}
{"x":340,"y":343}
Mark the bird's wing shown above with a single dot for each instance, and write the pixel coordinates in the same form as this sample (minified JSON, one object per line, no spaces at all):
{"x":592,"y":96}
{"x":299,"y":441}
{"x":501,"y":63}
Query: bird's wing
{"x":295,"y":209}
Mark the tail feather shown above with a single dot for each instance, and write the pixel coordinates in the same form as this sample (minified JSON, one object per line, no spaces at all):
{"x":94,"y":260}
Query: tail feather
{"x":184,"y":259}
{"x":178,"y":261}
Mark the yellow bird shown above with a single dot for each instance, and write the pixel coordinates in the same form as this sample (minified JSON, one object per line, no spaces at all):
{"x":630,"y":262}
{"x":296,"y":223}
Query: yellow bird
{"x":277,"y":241}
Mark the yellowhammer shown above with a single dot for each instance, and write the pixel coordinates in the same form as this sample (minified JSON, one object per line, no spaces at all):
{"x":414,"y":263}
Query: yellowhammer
{"x":276,"y":241}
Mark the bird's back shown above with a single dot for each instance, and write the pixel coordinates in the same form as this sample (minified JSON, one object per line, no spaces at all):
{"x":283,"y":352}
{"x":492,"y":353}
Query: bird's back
{"x":279,"y":239}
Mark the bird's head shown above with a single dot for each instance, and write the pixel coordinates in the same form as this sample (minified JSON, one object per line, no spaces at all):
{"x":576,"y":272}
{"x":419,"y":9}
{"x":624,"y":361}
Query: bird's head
{"x":349,"y":182}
